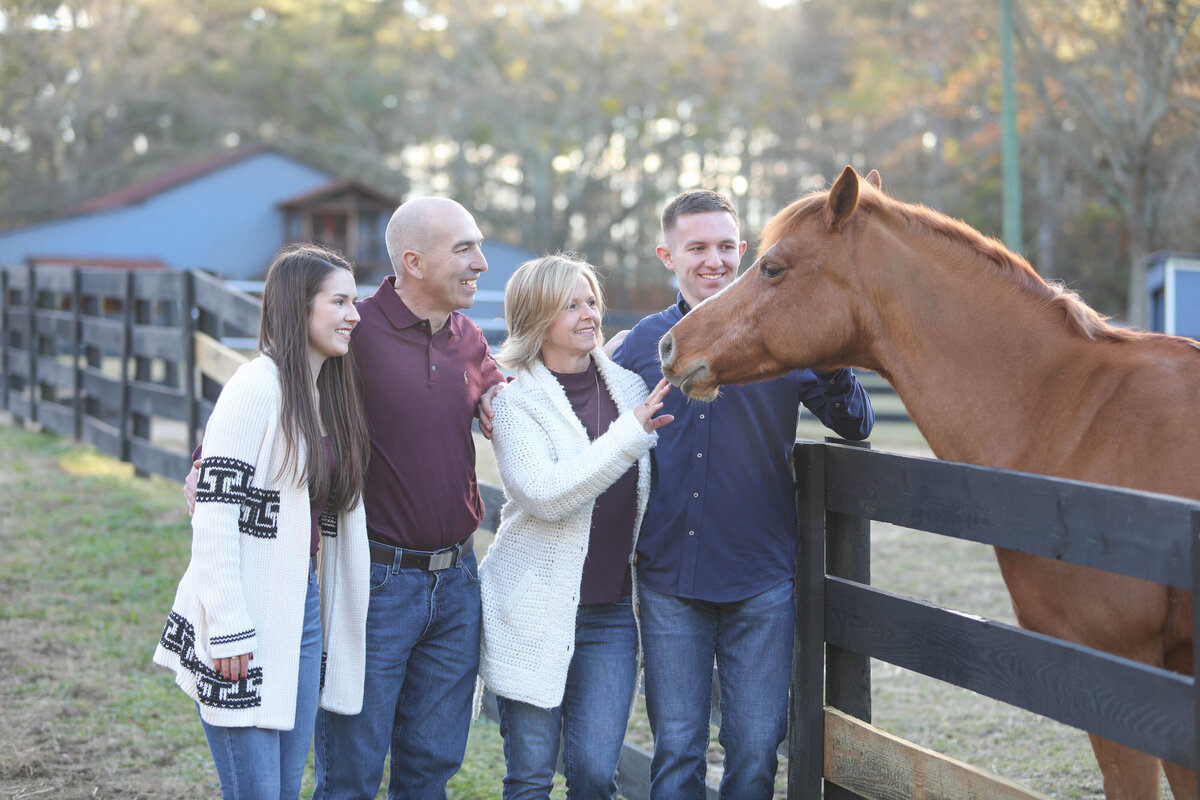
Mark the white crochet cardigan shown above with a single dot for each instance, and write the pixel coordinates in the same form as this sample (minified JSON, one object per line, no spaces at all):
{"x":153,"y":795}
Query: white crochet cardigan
{"x":244,"y":588}
{"x":552,"y":476}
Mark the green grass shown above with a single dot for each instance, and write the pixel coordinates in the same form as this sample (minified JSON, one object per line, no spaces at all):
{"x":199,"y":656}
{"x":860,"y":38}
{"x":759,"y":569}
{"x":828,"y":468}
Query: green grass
{"x":91,"y":558}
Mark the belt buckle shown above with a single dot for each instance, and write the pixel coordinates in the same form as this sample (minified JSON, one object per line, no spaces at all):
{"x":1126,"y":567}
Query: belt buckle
{"x":442,"y":560}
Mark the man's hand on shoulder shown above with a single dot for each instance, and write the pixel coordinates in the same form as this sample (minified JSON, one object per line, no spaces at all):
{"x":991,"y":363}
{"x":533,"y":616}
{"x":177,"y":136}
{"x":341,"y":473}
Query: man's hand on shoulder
{"x":189,"y":487}
{"x":485,"y":412}
{"x":610,"y":347}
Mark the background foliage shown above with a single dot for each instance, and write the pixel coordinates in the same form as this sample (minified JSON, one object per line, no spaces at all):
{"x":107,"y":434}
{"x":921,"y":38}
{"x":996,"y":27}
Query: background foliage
{"x":567,"y":123}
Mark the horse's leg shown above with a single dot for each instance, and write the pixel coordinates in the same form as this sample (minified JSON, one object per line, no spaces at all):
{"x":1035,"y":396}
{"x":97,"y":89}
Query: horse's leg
{"x":1179,"y":659}
{"x":1128,"y":774}
{"x":1182,"y":780}
{"x":1119,"y":615}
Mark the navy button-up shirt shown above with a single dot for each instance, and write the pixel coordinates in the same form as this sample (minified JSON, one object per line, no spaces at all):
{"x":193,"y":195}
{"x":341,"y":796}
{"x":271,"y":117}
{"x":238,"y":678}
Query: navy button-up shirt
{"x":721,"y":522}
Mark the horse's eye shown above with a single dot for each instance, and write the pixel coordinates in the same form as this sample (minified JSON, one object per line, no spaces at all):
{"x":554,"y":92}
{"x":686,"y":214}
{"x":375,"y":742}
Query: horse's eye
{"x":770,"y":270}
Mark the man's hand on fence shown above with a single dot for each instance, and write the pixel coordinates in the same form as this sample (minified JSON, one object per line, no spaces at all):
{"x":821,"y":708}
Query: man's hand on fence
{"x":189,"y":487}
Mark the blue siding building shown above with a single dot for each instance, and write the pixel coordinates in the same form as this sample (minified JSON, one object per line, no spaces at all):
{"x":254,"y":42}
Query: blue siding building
{"x":222,"y":215}
{"x":228,"y":215}
{"x":1173,"y":290}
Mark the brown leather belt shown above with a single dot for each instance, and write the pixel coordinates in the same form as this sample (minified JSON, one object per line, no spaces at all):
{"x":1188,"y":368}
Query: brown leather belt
{"x":420,"y":559}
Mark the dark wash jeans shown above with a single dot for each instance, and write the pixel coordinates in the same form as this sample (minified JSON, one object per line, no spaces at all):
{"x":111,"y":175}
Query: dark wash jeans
{"x":751,"y":641}
{"x":422,"y":655}
{"x":591,"y":720}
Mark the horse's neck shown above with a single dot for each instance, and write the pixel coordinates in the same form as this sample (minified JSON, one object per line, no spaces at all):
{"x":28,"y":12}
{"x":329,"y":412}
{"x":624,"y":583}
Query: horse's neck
{"x":970,"y":366}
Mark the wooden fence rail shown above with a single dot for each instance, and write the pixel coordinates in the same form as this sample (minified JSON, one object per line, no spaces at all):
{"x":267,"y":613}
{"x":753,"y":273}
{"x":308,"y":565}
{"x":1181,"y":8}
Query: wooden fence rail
{"x":133,"y":362}
{"x":112,"y":359}
{"x":842,"y":621}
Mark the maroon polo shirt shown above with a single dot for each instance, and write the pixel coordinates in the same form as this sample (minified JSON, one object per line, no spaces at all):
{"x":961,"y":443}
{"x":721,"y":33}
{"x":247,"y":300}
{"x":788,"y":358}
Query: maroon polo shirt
{"x":420,"y":390}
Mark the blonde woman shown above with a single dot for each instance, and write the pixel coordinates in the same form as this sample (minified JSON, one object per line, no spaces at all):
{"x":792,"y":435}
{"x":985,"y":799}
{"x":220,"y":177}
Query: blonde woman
{"x":572,"y":439}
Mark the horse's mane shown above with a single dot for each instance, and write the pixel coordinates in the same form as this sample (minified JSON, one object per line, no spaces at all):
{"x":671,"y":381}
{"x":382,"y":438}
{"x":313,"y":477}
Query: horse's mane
{"x":923,"y":221}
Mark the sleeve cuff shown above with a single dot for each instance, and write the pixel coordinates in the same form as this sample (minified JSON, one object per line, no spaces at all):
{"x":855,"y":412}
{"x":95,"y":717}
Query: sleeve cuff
{"x":234,"y":644}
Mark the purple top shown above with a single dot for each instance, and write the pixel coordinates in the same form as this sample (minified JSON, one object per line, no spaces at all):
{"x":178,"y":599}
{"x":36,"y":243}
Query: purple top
{"x":420,"y":390}
{"x":606,"y":570}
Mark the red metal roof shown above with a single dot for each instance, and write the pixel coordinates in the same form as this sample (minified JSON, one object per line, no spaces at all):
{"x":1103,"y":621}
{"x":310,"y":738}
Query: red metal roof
{"x":148,"y":264}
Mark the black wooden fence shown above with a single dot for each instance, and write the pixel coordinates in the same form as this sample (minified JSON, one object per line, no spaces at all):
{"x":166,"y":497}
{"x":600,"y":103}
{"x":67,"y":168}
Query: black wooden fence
{"x":124,"y":361}
{"x":127,"y":360}
{"x":842,"y":621}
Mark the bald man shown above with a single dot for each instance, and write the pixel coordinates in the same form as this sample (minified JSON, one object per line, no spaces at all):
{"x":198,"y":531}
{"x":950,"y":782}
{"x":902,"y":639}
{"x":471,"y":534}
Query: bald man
{"x":426,"y":373}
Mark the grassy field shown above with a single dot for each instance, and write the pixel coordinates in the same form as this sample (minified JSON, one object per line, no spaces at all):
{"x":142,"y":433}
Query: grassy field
{"x":90,"y":559}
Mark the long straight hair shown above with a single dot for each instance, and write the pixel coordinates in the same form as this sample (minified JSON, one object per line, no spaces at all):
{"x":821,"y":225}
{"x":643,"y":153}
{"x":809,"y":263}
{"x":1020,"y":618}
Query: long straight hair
{"x":294,"y":278}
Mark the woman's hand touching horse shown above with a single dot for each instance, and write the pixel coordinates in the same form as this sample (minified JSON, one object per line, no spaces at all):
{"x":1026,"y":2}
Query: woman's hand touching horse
{"x":653,"y":404}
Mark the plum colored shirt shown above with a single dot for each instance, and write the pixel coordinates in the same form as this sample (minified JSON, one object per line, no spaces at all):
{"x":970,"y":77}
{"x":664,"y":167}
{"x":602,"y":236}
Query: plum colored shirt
{"x":606,"y":576}
{"x":420,"y":391}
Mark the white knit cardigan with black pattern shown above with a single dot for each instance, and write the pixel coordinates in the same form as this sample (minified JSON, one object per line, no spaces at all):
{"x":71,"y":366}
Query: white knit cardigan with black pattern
{"x":244,"y":588}
{"x":552,"y":475}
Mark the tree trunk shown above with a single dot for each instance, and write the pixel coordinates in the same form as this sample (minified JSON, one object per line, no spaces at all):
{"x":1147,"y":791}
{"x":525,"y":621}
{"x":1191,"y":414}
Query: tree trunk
{"x":1137,"y":312}
{"x":1049,"y":189}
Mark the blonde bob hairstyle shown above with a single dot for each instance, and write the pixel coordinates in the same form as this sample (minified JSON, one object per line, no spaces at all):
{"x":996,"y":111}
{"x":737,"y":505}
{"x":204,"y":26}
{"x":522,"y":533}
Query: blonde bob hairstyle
{"x":536,"y":294}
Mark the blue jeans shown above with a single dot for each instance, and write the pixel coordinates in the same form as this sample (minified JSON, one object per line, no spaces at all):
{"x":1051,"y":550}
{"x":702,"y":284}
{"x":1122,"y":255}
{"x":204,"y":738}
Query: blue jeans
{"x":422,"y":655}
{"x":257,"y":763}
{"x":591,"y":720}
{"x":751,"y":641}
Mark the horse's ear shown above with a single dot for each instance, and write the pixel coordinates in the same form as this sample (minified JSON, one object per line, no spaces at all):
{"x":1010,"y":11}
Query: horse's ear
{"x":843,"y":197}
{"x":874,"y":179}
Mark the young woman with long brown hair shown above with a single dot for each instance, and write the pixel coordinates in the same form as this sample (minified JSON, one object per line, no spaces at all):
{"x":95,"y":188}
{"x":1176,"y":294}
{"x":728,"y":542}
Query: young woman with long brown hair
{"x":261,"y":630}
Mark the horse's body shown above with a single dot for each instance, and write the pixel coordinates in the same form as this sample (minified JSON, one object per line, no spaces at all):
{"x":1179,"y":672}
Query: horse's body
{"x":996,"y":368}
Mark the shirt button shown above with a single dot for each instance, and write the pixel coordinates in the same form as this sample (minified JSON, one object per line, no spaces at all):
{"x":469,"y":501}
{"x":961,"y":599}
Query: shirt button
{"x":701,"y":416}
{"x":691,"y":533}
{"x":434,"y":367}
{"x":837,"y":405}
{"x":695,"y":494}
{"x":699,"y":455}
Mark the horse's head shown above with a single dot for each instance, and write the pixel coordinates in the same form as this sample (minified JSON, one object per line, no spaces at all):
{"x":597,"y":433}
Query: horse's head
{"x":794,"y":307}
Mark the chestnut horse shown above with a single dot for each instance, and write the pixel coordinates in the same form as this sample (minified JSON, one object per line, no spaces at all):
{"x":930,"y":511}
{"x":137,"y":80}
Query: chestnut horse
{"x":997,"y":368}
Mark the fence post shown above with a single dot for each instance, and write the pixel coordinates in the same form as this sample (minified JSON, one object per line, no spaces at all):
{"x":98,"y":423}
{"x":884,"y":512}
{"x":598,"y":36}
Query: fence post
{"x":31,"y":300}
{"x":4,"y":338}
{"x":847,"y":674}
{"x":210,"y":323}
{"x":126,"y":357}
{"x":806,"y":705}
{"x":77,"y":350}
{"x":139,"y":423}
{"x":91,"y":307}
{"x":1196,"y":645}
{"x":187,"y":323}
